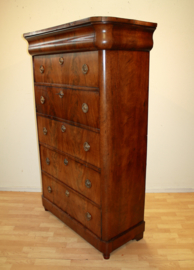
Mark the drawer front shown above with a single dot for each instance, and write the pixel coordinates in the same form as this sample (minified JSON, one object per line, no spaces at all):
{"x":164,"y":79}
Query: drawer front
{"x":76,"y":141}
{"x":74,"y":105}
{"x":77,"y":207}
{"x":47,"y":68}
{"x":84,"y":180}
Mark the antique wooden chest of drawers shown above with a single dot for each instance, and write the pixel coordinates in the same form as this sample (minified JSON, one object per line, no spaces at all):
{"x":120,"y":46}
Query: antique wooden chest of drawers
{"x":91,"y":94}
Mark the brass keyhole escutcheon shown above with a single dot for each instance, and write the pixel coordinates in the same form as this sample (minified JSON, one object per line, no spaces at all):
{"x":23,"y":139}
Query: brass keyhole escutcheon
{"x":63,"y":128}
{"x":65,"y":161}
{"x":41,"y":69}
{"x":61,"y":60}
{"x":86,"y":146}
{"x":47,"y":161}
{"x":44,"y":131}
{"x":84,"y":107}
{"x":88,"y":216}
{"x":61,"y":94}
{"x":42,"y":100}
{"x":85,"y":69}
{"x":88,"y":184}
{"x":49,"y":189}
{"x":67,"y":193}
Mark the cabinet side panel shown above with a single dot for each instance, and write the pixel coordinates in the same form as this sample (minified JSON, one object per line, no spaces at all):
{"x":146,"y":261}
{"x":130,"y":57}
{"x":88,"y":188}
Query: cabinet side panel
{"x":123,"y":138}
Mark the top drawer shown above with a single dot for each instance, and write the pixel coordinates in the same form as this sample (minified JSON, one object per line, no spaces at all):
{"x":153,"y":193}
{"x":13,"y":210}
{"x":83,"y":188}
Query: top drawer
{"x":70,"y":68}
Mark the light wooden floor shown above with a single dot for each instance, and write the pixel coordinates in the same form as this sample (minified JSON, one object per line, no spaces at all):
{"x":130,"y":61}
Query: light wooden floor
{"x":31,"y":238}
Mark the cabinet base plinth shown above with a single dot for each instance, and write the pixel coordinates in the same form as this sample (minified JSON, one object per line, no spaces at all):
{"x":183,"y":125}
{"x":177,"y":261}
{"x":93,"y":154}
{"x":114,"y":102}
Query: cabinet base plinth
{"x":106,"y":247}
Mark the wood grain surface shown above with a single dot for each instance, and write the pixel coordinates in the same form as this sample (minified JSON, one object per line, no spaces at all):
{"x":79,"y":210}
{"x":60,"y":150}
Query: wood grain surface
{"x":73,"y":204}
{"x":73,"y":174}
{"x":69,"y":107}
{"x":71,"y":141}
{"x":33,"y":239}
{"x":123,"y":138}
{"x":95,"y":19}
{"x":70,"y":72}
{"x":95,"y":33}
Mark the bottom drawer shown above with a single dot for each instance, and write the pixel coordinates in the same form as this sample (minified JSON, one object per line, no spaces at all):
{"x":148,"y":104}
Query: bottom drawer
{"x":77,"y":207}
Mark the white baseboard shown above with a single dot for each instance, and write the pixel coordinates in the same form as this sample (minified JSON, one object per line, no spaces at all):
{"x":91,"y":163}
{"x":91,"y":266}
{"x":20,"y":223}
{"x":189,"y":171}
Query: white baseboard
{"x":21,"y":189}
{"x":148,"y":190}
{"x":169,"y":190}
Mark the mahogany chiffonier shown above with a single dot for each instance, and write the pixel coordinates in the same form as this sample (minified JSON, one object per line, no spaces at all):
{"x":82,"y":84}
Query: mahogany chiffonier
{"x":91,"y":94}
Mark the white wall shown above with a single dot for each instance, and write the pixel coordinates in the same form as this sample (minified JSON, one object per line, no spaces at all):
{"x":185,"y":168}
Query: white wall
{"x":170,"y":164}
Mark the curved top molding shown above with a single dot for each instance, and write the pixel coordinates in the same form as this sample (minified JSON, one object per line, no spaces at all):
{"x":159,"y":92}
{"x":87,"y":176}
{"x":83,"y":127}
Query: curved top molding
{"x":94,"y":33}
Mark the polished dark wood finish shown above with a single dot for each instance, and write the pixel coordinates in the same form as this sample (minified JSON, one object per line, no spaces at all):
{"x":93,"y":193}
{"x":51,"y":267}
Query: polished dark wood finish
{"x":106,"y":247}
{"x":96,"y":33}
{"x":123,"y":140}
{"x":91,"y":92}
{"x":73,"y":174}
{"x":69,"y":106}
{"x":85,"y":21}
{"x":88,"y":165}
{"x":74,"y":205}
{"x":71,"y":141}
{"x":139,"y":236}
{"x":70,"y":72}
{"x":76,"y":124}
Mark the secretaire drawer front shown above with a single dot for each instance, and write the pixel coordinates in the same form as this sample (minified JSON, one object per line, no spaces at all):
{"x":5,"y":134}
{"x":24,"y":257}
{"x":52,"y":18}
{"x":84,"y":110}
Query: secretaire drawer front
{"x":73,"y":105}
{"x":76,"y":141}
{"x":77,"y":207}
{"x":84,"y":180}
{"x":70,"y":68}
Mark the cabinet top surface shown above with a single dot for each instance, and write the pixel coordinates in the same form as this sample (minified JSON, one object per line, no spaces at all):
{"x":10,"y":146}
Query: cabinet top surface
{"x":91,"y":20}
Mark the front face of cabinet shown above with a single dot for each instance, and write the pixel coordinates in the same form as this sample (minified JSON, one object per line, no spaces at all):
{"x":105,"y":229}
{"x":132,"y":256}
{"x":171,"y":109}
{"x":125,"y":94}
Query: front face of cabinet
{"x":67,"y":106}
{"x":91,"y":95}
